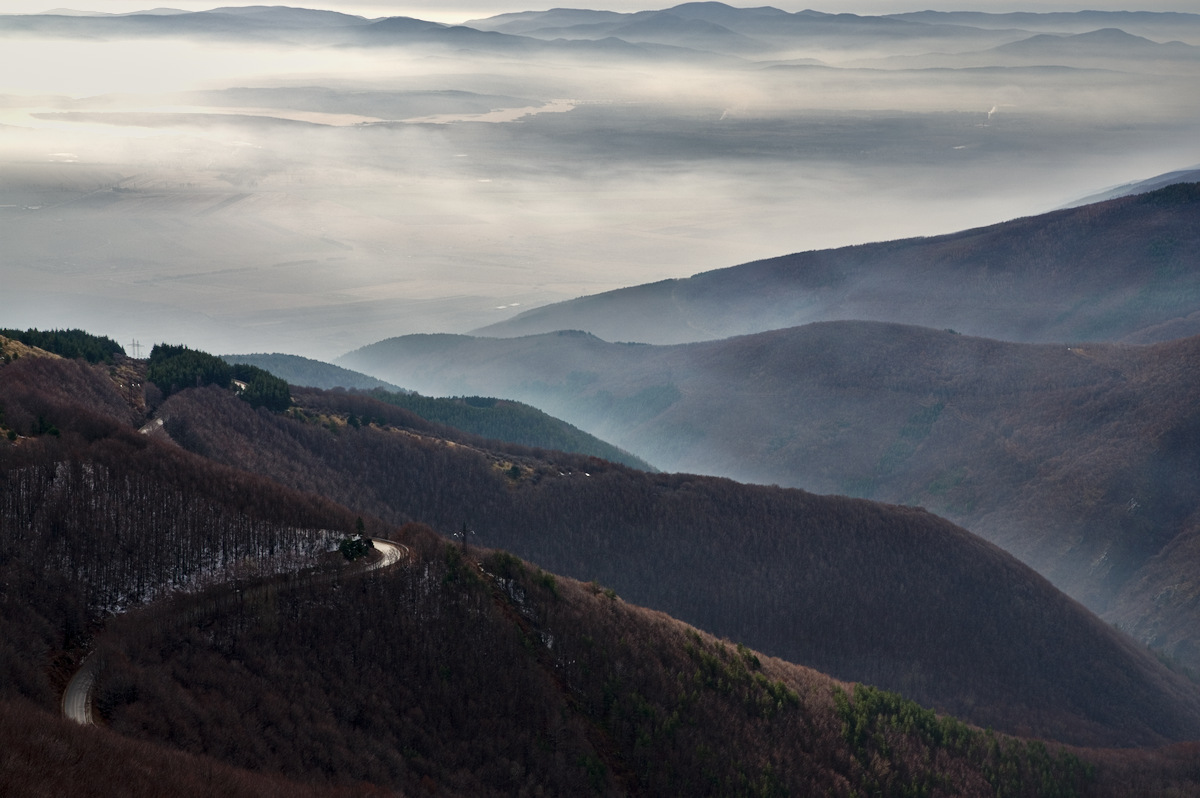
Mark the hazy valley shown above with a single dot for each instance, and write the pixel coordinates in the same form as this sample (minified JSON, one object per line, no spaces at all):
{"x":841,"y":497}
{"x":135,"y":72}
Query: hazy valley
{"x":314,"y":182}
{"x":960,"y":554}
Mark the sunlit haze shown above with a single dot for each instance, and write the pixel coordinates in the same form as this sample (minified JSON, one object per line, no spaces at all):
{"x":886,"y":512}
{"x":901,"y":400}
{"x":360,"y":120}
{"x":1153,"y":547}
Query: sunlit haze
{"x":453,"y":12}
{"x":311,"y":187}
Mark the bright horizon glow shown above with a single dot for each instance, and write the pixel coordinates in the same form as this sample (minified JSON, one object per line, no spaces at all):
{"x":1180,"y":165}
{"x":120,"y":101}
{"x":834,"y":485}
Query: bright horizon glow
{"x":453,"y":13}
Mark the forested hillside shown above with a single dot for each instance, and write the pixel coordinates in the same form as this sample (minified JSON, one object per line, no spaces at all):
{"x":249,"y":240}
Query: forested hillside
{"x":68,"y":343}
{"x":1079,"y":459}
{"x":892,"y":596}
{"x":487,"y":417}
{"x":461,"y":670}
{"x":1121,"y":270}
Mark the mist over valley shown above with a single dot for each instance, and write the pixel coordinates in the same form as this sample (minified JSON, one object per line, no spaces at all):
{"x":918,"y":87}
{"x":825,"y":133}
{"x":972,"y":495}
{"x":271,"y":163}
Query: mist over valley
{"x":285,"y":180}
{"x":687,"y":401}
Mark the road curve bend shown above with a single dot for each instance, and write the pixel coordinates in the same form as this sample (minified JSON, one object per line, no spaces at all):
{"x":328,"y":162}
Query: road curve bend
{"x":77,"y":698}
{"x":392,"y":553}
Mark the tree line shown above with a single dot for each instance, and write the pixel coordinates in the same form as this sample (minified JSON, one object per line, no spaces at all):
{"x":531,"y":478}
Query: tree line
{"x":173,"y":368}
{"x":69,"y":343}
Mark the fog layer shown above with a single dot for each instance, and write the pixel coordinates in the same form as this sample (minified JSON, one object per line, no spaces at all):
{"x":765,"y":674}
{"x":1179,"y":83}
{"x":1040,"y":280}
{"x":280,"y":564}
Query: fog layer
{"x":257,"y":184}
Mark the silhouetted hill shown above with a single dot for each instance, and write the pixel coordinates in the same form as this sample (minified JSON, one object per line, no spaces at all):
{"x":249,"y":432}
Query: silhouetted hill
{"x":465,"y":670}
{"x":1125,"y":269}
{"x":1080,"y":460}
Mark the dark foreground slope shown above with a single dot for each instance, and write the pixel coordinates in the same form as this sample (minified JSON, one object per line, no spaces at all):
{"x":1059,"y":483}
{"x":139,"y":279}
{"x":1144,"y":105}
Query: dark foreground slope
{"x":888,"y":595}
{"x":46,"y":756}
{"x":1081,"y":460}
{"x":1126,"y":269}
{"x":460,"y":671}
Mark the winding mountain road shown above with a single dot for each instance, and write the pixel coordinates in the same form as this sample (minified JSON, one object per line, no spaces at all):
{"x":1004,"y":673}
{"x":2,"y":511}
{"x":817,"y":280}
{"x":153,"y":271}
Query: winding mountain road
{"x":77,"y":698}
{"x":392,"y":553}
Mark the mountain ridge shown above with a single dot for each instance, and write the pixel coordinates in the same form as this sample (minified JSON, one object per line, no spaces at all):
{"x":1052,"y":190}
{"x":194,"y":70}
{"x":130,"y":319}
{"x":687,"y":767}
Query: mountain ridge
{"x":1072,"y":457}
{"x":1086,"y":266}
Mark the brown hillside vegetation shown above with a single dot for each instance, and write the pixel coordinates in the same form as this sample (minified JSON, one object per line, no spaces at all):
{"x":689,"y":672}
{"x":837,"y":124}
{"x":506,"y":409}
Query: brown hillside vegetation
{"x":493,"y":678}
{"x":47,"y":757}
{"x":472,"y":679}
{"x":14,"y":350}
{"x":887,"y":595}
{"x":464,"y":671}
{"x":1125,"y":269}
{"x":1080,"y":459}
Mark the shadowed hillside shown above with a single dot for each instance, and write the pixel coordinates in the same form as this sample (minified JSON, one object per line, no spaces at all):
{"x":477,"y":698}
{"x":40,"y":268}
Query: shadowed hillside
{"x":462,"y":670}
{"x":888,"y":595}
{"x":48,"y":756}
{"x":1125,"y":269}
{"x":1081,"y":460}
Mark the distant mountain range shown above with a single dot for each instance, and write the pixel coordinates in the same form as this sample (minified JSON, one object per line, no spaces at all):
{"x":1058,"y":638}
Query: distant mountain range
{"x":716,"y":26}
{"x":313,"y":27}
{"x":1153,"y":24}
{"x":1123,"y":270}
{"x":708,"y":27}
{"x":1107,"y":48}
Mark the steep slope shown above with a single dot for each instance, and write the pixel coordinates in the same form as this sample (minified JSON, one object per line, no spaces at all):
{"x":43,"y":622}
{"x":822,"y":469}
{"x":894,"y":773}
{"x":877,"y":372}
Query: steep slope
{"x":888,"y":595}
{"x":463,"y":671}
{"x":1080,"y":460}
{"x":1125,"y":269}
{"x":488,"y":678}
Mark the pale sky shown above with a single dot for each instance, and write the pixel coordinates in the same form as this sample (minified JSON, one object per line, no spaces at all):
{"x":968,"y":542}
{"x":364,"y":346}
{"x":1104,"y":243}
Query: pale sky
{"x":443,"y":11}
